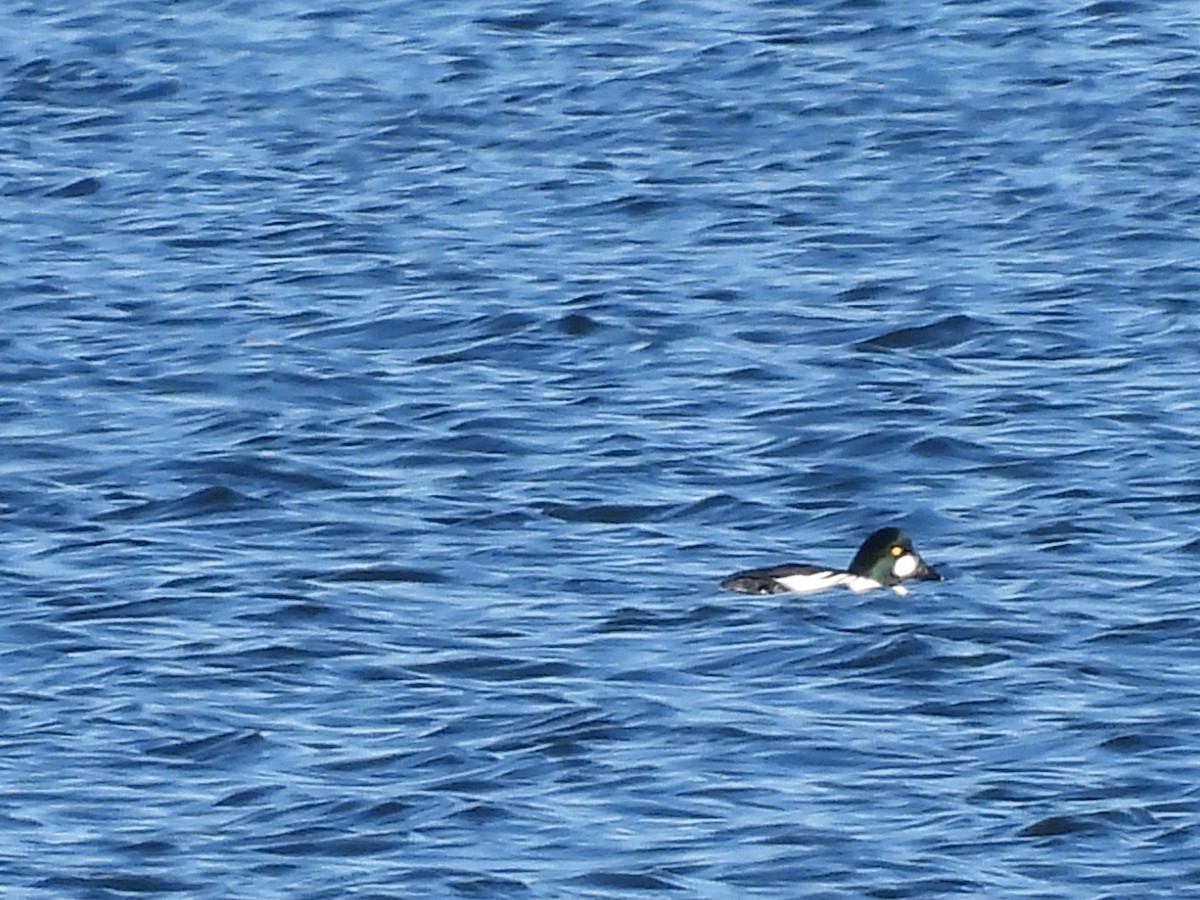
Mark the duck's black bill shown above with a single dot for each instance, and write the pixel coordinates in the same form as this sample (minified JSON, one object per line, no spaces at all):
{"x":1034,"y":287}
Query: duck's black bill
{"x":927,"y":573}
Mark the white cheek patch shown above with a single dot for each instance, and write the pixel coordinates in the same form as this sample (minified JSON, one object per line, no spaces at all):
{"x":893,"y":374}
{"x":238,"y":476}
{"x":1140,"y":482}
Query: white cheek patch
{"x":904,"y":566}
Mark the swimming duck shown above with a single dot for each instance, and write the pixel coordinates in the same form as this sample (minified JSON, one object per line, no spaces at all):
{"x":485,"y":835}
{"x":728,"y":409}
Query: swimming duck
{"x":885,"y":559}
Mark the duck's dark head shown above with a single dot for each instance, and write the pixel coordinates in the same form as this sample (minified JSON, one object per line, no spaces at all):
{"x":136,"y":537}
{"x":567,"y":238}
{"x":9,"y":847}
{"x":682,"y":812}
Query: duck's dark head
{"x":888,"y":557}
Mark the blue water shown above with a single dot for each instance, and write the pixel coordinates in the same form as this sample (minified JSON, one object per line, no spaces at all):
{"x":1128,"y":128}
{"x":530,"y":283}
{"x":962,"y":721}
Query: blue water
{"x":386,"y":388}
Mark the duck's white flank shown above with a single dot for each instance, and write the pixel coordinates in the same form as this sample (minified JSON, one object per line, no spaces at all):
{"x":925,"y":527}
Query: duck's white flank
{"x":819,"y":581}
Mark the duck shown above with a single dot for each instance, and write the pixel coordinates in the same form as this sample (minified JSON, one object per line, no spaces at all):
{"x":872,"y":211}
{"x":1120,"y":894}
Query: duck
{"x":885,"y":559}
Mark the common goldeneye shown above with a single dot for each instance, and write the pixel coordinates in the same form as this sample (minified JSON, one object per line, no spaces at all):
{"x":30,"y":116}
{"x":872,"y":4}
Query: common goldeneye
{"x":885,"y":559}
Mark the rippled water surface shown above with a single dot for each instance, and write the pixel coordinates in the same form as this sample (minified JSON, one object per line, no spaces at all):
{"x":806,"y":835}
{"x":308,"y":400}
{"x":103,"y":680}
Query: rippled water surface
{"x":387,"y":387}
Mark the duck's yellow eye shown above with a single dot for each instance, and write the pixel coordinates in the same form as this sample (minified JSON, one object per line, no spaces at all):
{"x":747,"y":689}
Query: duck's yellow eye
{"x":896,"y":550}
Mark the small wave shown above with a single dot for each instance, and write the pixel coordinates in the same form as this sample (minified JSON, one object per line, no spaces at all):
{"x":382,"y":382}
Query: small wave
{"x":940,"y":335}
